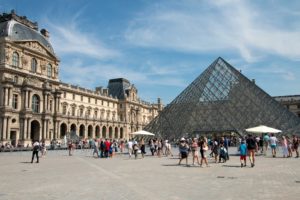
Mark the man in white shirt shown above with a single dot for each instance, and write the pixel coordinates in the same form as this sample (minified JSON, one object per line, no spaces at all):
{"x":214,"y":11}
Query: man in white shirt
{"x":273,"y":142}
{"x":130,"y":148}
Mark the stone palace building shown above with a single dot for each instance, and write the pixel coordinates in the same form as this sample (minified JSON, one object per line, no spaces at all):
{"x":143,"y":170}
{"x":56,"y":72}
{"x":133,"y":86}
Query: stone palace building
{"x":36,"y":105}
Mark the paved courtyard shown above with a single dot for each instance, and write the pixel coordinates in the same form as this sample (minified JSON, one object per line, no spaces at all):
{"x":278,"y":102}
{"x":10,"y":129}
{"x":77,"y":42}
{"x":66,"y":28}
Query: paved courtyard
{"x":59,"y":176}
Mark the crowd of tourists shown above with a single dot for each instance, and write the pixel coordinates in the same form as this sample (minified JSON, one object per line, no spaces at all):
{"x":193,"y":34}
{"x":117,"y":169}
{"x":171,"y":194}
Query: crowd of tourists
{"x":216,"y":148}
{"x":249,"y":145}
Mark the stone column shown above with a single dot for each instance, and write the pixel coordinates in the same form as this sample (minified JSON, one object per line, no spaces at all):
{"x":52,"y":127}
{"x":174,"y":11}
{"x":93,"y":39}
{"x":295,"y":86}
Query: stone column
{"x":1,"y":128}
{"x":29,"y":100}
{"x":24,"y":96}
{"x":55,"y":130}
{"x":8,"y":129}
{"x":28,"y":129}
{"x":44,"y":129}
{"x":24,"y":136}
{"x":47,"y":130}
{"x":4,"y":127}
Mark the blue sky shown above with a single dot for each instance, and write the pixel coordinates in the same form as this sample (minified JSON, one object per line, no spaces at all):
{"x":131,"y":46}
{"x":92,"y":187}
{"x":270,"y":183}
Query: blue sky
{"x":162,"y":46}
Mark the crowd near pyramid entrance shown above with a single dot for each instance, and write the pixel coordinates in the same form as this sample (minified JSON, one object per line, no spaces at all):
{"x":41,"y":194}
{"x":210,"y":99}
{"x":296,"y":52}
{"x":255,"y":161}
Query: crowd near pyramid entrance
{"x":221,"y":100}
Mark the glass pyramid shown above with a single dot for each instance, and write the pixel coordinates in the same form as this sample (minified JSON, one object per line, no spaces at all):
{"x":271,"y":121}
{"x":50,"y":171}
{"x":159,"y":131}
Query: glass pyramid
{"x":221,"y":100}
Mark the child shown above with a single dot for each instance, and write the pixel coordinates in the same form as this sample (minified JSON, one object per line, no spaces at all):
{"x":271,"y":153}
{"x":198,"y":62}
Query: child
{"x":243,"y":151}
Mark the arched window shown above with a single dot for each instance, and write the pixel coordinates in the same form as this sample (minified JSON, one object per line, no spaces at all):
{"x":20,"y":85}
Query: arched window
{"x":15,"y":59}
{"x":49,"y":70}
{"x":35,"y":103}
{"x":33,"y":65}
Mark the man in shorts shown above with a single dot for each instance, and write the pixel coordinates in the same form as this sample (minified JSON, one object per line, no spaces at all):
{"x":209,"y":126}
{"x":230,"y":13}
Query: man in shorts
{"x":251,"y":147}
{"x":273,"y":143}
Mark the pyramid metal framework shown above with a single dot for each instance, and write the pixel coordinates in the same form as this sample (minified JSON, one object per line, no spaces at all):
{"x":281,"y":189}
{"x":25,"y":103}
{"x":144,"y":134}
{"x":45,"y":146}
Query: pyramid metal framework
{"x":220,"y":100}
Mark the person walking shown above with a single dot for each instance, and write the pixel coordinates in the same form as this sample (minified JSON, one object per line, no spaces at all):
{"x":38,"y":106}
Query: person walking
{"x":194,"y":148}
{"x":251,"y":147}
{"x":35,"y":151}
{"x":152,"y":147}
{"x":142,"y":145}
{"x":243,"y":153}
{"x":70,"y":147}
{"x":266,"y":139}
{"x":296,"y":142}
{"x":168,"y":148}
{"x":130,"y":145}
{"x":135,"y":149}
{"x":203,"y":148}
{"x":107,"y":147}
{"x":284,"y":146}
{"x":290,"y":147}
{"x":273,"y":143}
{"x":159,"y":148}
{"x":44,"y":149}
{"x":215,"y":150}
{"x":95,"y":147}
{"x":183,"y":151}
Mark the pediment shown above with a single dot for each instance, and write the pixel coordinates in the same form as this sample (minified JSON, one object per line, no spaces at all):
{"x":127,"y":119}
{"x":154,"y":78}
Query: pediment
{"x":37,"y":47}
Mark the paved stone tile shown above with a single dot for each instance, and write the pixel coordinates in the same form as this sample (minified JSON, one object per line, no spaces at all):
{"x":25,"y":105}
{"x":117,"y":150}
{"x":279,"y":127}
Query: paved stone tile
{"x":59,"y":176}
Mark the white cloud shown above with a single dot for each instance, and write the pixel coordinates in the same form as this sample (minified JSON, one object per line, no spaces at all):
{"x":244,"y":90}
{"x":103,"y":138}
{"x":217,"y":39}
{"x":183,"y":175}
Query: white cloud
{"x":210,"y":26}
{"x":76,"y":72}
{"x":71,"y":38}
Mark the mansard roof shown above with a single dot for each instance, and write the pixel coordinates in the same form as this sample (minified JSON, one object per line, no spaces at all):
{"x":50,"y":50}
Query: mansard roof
{"x":18,"y":28}
{"x":117,"y":87}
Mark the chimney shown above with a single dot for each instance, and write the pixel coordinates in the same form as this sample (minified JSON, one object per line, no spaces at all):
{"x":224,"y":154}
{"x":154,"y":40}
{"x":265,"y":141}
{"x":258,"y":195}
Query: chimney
{"x":253,"y":81}
{"x":45,"y":33}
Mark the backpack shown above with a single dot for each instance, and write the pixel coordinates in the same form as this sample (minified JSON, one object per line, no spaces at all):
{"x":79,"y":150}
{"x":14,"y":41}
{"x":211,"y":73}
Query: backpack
{"x":36,"y":147}
{"x":251,"y":143}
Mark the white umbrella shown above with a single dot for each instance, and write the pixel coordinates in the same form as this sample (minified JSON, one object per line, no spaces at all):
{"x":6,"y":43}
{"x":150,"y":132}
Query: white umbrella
{"x":142,"y":132}
{"x":263,"y":129}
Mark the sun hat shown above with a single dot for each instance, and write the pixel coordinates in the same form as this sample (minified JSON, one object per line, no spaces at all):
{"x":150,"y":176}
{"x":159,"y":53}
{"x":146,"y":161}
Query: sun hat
{"x":182,"y":139}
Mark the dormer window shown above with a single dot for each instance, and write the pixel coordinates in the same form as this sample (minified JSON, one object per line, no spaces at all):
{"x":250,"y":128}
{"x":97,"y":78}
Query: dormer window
{"x":49,"y":70}
{"x":33,"y":65}
{"x":15,"y":59}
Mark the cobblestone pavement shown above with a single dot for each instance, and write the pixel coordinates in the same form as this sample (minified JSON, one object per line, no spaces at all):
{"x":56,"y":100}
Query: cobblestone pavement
{"x":59,"y":176}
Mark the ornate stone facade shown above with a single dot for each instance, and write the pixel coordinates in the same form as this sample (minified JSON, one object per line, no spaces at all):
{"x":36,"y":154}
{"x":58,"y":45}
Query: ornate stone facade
{"x":36,"y":105}
{"x":291,"y":102}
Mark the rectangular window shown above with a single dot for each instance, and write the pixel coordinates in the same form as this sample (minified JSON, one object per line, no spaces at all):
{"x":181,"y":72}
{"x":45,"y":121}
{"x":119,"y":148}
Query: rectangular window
{"x":81,"y":98}
{"x":89,"y":100}
{"x":95,"y":114}
{"x":95,"y":101}
{"x":73,"y":111}
{"x":121,"y":105}
{"x":81,"y":112}
{"x":73,"y":96}
{"x":65,"y":95}
{"x":102,"y":102}
{"x":15,"y":101}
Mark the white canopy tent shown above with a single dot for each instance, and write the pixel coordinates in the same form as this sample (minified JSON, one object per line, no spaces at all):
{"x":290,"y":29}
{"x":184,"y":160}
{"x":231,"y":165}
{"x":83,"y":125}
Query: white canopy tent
{"x":142,"y":132}
{"x":263,"y":129}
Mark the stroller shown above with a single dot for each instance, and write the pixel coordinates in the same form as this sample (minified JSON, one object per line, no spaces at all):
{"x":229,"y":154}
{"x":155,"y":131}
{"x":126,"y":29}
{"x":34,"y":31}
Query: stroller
{"x":223,"y":154}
